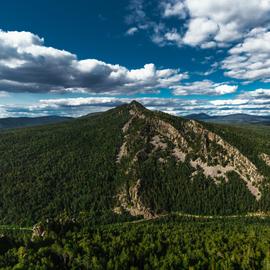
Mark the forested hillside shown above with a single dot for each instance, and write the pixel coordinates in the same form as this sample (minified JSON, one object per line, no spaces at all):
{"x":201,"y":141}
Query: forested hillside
{"x":239,"y":118}
{"x":20,"y":122}
{"x":132,"y":161}
{"x":68,"y":166}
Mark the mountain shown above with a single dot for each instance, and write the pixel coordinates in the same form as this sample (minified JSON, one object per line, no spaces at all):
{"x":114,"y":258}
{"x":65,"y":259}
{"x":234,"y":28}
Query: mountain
{"x":19,"y":122}
{"x":199,"y":116}
{"x":132,"y":161}
{"x":231,"y":119}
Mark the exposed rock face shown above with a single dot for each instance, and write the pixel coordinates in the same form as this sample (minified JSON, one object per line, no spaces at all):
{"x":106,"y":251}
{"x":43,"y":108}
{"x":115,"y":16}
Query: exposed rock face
{"x":163,"y":130}
{"x":169,"y":132}
{"x":235,"y":161}
{"x":190,"y":143}
{"x":265,"y":158}
{"x":122,"y":152}
{"x":178,"y":154}
{"x":214,"y":172}
{"x":131,"y":202}
{"x":135,"y":113}
{"x":157,"y":143}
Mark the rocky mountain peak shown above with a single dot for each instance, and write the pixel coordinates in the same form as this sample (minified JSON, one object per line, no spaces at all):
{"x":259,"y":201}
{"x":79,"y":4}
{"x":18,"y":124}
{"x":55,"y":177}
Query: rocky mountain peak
{"x":136,"y":105}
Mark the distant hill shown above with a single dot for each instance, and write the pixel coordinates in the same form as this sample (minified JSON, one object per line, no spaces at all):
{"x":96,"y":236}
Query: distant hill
{"x":232,"y":118}
{"x":19,"y":122}
{"x":132,"y":161}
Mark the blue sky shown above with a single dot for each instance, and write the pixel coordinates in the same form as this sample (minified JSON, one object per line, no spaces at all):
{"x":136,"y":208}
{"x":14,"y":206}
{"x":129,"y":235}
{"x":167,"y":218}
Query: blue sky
{"x":179,"y":56}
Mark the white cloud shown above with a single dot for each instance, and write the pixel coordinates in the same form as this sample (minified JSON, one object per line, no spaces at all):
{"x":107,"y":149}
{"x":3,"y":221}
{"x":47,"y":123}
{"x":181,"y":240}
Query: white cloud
{"x":27,"y":65}
{"x":257,"y":94}
{"x":252,"y":102}
{"x":250,"y":60}
{"x":210,"y":22}
{"x":176,"y":106}
{"x":174,"y":8}
{"x":223,"y":89}
{"x":30,"y":66}
{"x":233,"y":102}
{"x":233,"y":17}
{"x":204,"y":87}
{"x":21,"y":39}
{"x":131,"y":31}
{"x":200,"y":31}
{"x":173,"y":37}
{"x":80,"y":106}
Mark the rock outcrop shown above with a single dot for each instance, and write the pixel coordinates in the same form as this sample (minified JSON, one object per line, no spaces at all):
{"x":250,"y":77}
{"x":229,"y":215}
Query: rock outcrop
{"x":135,"y":113}
{"x":189,"y":143}
{"x":234,"y":159}
{"x":130,"y":201}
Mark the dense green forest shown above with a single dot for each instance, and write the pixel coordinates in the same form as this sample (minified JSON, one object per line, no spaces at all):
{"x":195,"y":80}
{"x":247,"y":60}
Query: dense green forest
{"x":71,"y":167}
{"x":20,"y":122}
{"x":169,"y":243}
{"x":68,"y":166}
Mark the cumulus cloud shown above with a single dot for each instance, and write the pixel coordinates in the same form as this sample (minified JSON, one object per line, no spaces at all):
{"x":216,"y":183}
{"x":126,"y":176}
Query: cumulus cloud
{"x":204,"y":87}
{"x":252,"y":102}
{"x":174,"y":8}
{"x":240,"y":26}
{"x":233,"y":18}
{"x":27,"y":65}
{"x":210,"y":23}
{"x":250,"y":59}
{"x":255,"y":102}
{"x":258,"y":94}
{"x":177,"y":106}
{"x":81,"y":106}
{"x":200,"y":30}
{"x":131,"y":31}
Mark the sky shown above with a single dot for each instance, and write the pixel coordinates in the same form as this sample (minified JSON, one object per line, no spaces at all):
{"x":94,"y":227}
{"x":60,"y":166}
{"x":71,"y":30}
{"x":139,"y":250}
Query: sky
{"x":71,"y":58}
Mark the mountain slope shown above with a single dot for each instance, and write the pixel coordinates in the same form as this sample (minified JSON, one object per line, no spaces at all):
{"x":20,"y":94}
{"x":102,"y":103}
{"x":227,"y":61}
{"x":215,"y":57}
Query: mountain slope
{"x":20,"y":122}
{"x":131,"y":160}
{"x":186,"y":154}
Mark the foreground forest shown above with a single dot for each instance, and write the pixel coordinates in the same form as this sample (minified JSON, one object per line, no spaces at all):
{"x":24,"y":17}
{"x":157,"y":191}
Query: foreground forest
{"x":168,"y":243}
